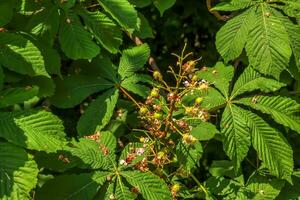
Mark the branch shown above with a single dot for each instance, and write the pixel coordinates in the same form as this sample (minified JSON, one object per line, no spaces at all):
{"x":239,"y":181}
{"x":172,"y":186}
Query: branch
{"x":151,"y":60}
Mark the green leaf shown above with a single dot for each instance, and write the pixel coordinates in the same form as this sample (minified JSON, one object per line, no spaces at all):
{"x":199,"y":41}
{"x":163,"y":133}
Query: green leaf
{"x":105,"y":31}
{"x":122,"y":11}
{"x":122,"y":192}
{"x":271,"y":146}
{"x":36,"y":130}
{"x":163,"y":5}
{"x":46,"y":85}
{"x":251,"y":80}
{"x":220,"y":76}
{"x":189,"y":155}
{"x":236,"y":138}
{"x":261,"y":187}
{"x":293,"y":31}
{"x":72,"y":187}
{"x":291,"y":8}
{"x":133,"y":60}
{"x":45,"y":23}
{"x":140,"y":3}
{"x":232,"y":37}
{"x":268,"y":47}
{"x":89,"y":154}
{"x":204,"y":131}
{"x":150,"y":186}
{"x":232,"y":5}
{"x":212,"y":98}
{"x":98,"y":113}
{"x":18,"y":172}
{"x":1,"y":78}
{"x":222,"y":168}
{"x":283,"y":110}
{"x":75,"y":41}
{"x":7,"y":11}
{"x":13,"y":96}
{"x":291,"y":192}
{"x":21,"y":55}
{"x":145,"y":30}
{"x":73,"y":89}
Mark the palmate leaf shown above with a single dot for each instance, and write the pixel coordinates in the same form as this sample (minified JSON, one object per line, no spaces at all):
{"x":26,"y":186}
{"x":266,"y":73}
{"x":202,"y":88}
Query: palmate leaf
{"x":236,"y":137}
{"x":72,"y":187}
{"x":272,"y":148}
{"x":72,"y":90}
{"x":145,"y":30}
{"x":261,"y":187}
{"x":75,"y":41}
{"x":204,"y":131}
{"x":98,"y":113}
{"x":21,"y":55}
{"x":220,"y":76}
{"x":268,"y":46}
{"x":13,"y":96}
{"x":18,"y":172}
{"x":291,"y":8}
{"x":149,"y":186}
{"x":163,"y":5}
{"x":291,"y":192}
{"x":122,"y":11}
{"x":133,"y":60}
{"x":251,"y":80}
{"x":36,"y":130}
{"x":105,"y":31}
{"x":232,"y":37}
{"x":283,"y":110}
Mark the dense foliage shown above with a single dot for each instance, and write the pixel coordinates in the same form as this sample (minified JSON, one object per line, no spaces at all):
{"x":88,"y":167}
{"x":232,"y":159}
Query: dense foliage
{"x":206,"y":107}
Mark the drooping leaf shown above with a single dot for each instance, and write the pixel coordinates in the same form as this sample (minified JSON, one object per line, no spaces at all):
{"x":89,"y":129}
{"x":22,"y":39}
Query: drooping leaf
{"x":163,"y":5}
{"x":222,"y":168}
{"x":73,"y":187}
{"x":283,"y":110}
{"x":36,"y":130}
{"x":105,"y":31}
{"x":98,"y":113}
{"x":13,"y":96}
{"x":268,"y":47}
{"x":18,"y":172}
{"x":251,"y":80}
{"x":232,"y":37}
{"x":271,"y":146}
{"x":133,"y":60}
{"x":21,"y":55}
{"x":72,"y":90}
{"x":122,"y":11}
{"x":75,"y":41}
{"x":149,"y":186}
{"x":236,"y":137}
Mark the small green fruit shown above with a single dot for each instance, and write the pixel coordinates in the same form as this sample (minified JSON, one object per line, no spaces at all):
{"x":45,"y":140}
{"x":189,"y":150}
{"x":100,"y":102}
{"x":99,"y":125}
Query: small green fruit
{"x":154,"y":92}
{"x":157,"y":115}
{"x":199,"y":100}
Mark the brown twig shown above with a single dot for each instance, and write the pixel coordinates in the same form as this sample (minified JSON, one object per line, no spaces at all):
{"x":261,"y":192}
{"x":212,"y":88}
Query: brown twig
{"x":151,"y":60}
{"x":215,"y":13}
